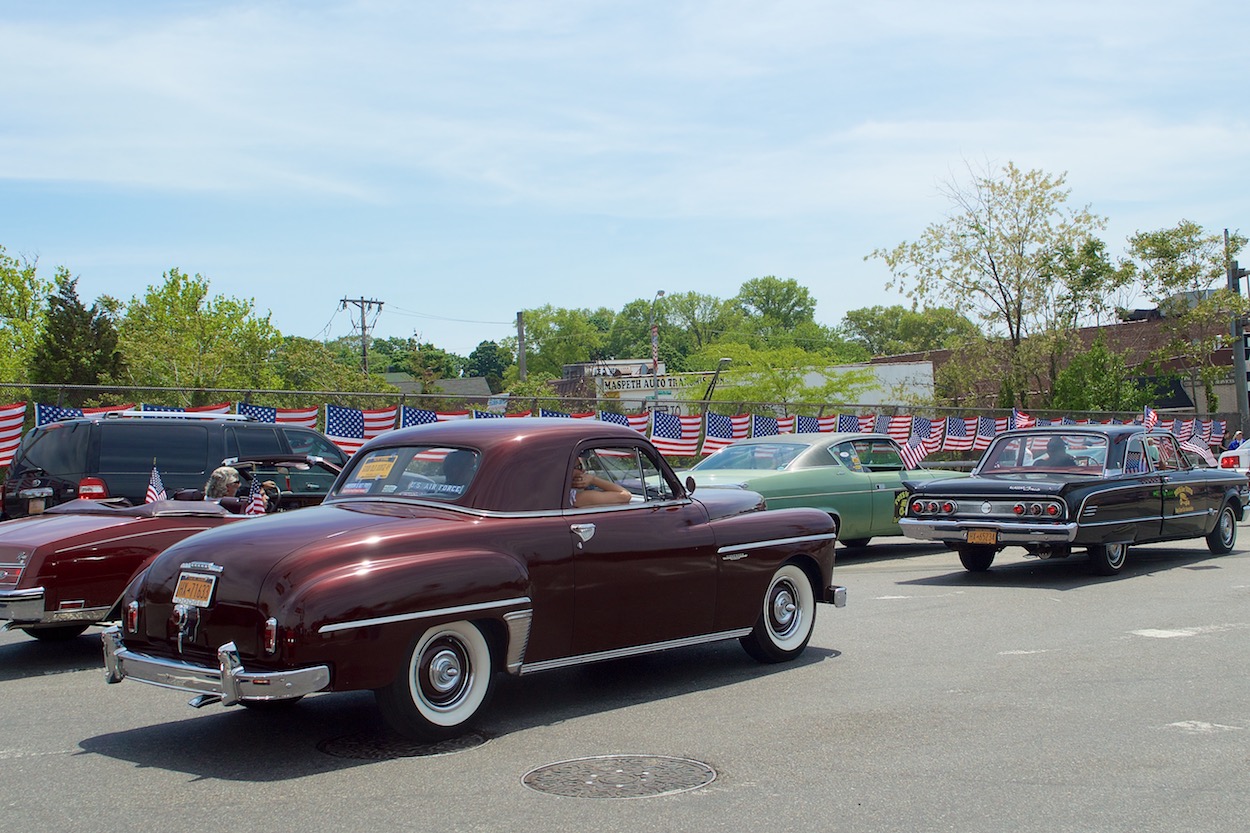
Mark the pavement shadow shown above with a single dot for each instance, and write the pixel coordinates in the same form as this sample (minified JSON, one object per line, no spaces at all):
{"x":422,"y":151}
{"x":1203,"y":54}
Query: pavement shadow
{"x":1010,"y":570}
{"x":24,"y":656}
{"x":239,"y":744}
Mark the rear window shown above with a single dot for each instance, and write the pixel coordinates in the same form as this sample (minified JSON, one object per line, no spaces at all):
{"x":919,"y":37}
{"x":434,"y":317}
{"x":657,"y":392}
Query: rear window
{"x":253,"y":441}
{"x":57,"y":449}
{"x":420,"y":472}
{"x":173,"y":449}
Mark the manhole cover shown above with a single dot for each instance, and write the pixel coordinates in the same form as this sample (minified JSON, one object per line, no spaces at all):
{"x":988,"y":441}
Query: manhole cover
{"x":619,"y":776}
{"x":386,"y":747}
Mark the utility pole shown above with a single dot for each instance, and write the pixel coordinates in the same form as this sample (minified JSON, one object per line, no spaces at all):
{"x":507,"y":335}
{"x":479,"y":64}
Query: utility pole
{"x":1238,"y":331}
{"x":520,"y":346}
{"x":365,"y":304}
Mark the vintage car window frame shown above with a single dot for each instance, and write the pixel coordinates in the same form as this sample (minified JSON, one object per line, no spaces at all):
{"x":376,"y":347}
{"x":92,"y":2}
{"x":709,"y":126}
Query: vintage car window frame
{"x":394,"y":476}
{"x":875,"y":446}
{"x":1170,"y":457}
{"x":673,"y":492}
{"x":849,"y":456}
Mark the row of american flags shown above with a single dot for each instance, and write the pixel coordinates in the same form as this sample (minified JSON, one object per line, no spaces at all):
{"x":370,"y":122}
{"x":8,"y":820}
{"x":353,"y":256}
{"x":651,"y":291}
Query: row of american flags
{"x":672,"y":434}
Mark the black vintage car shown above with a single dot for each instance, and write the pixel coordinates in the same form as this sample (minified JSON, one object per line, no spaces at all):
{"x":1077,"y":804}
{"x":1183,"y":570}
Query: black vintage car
{"x":1098,"y":488}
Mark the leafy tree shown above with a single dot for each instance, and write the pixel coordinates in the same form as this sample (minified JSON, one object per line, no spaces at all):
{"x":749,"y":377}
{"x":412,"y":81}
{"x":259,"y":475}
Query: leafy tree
{"x":78,"y":346}
{"x":1183,"y":270}
{"x":491,"y":361}
{"x":555,"y":336}
{"x":22,"y":299}
{"x":304,"y":364}
{"x":994,"y":257}
{"x":780,"y":375}
{"x":892,"y":330}
{"x":429,"y":363}
{"x":1098,"y":379}
{"x":177,"y":336}
{"x":776,"y":304}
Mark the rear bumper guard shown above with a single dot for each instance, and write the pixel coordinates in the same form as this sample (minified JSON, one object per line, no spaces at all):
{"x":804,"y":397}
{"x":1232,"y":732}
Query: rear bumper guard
{"x":1008,"y":533}
{"x":228,"y":683}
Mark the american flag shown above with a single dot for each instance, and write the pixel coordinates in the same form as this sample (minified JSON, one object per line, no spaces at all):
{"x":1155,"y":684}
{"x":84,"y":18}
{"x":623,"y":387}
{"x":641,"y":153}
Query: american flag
{"x":1201,"y":449}
{"x":723,"y":430}
{"x":1149,"y":418}
{"x":676,"y":436}
{"x":960,"y":432}
{"x":639,"y":422}
{"x":219,"y":408}
{"x":987,"y":427}
{"x":255,"y":498}
{"x":12,"y":418}
{"x":55,"y":413}
{"x":848,"y":423}
{"x":303,"y":417}
{"x":1207,"y":430}
{"x":485,"y":415}
{"x":1019,"y":419}
{"x":1067,"y":421}
{"x":1218,"y":428}
{"x":1168,"y":425}
{"x":828,"y":424}
{"x":409,"y":417}
{"x":156,"y":487}
{"x":898,"y":427}
{"x":761,"y":426}
{"x":920,"y":443}
{"x":785,"y":425}
{"x":350,"y":428}
{"x":543,"y":412}
{"x":866,"y":421}
{"x":806,"y":424}
{"x":1184,"y":429}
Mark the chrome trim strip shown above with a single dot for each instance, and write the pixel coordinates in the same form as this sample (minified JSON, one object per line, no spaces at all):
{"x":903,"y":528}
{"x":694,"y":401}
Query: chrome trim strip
{"x":518,"y":622}
{"x":487,"y":513}
{"x":423,"y":614}
{"x":618,"y":653}
{"x":776,"y":542}
{"x":132,"y":536}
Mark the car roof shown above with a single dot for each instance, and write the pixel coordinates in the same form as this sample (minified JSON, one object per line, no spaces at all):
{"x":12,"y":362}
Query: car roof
{"x":814,"y":437}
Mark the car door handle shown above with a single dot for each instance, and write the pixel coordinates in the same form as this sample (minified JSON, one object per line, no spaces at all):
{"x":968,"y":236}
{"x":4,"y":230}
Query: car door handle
{"x":583,"y":531}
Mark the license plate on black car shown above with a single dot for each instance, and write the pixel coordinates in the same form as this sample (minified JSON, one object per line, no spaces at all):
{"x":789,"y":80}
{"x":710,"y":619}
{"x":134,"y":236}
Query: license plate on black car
{"x":982,"y":536}
{"x":195,"y":589}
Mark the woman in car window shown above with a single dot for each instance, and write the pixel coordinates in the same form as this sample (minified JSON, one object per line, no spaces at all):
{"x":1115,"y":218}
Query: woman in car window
{"x":589,"y":490}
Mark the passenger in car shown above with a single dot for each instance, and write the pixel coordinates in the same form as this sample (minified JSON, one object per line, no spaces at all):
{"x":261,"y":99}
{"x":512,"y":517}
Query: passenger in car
{"x":1056,"y":455}
{"x":590,"y":490}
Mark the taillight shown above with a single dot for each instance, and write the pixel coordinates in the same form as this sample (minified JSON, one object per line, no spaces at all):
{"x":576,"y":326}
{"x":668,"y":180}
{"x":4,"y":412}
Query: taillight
{"x":917,"y":508}
{"x":132,"y":617}
{"x":1228,"y":462}
{"x":949,"y":507}
{"x":1052,"y":510}
{"x":1018,"y":509}
{"x":92,"y":488}
{"x":270,"y":640}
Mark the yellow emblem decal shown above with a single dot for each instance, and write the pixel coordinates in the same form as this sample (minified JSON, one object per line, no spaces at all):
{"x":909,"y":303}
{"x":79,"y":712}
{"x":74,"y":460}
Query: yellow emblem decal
{"x":1182,"y":499}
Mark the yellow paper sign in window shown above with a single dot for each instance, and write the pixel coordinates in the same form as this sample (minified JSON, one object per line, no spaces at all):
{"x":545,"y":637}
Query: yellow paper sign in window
{"x":377,"y":468}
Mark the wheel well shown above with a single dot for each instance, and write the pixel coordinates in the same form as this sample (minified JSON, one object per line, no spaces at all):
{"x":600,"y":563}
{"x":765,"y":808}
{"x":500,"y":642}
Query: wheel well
{"x":496,"y":634}
{"x":810,"y":569}
{"x":1238,"y":509}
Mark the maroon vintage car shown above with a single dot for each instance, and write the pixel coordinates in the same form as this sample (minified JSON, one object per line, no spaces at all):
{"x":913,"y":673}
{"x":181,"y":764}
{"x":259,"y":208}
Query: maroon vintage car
{"x":64,"y":570}
{"x":447,"y":552}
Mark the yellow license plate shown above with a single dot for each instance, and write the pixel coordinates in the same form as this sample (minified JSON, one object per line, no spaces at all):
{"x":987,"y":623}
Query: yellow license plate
{"x":35,"y":506}
{"x":194,"y":589}
{"x":982,"y":536}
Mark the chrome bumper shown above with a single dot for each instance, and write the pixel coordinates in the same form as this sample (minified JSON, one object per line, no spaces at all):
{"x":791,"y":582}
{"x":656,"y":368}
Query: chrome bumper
{"x":228,"y":683}
{"x":22,"y":605}
{"x":1008,"y":533}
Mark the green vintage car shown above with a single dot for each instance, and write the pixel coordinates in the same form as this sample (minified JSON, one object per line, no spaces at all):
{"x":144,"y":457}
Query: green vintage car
{"x":856,"y":478}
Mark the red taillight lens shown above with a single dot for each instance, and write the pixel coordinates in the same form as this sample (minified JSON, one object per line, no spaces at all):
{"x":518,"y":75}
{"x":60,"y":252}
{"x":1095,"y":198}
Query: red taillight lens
{"x":1228,"y":462}
{"x":1052,"y":510}
{"x":1018,"y":509}
{"x":948,"y":507}
{"x":92,"y":488}
{"x":917,"y":508}
{"x":132,"y":617}
{"x":931,"y":506}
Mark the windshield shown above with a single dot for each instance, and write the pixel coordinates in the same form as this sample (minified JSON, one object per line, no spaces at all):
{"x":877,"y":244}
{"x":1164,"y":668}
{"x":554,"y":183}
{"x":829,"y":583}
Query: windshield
{"x":1046,"y":453}
{"x":419,"y":471}
{"x":767,"y":456}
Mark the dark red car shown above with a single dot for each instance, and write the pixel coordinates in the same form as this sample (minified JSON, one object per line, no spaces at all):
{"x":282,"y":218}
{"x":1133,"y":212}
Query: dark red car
{"x":64,"y":570}
{"x":448,"y":552}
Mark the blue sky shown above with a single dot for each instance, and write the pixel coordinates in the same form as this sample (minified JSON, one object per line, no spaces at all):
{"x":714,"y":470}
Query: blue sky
{"x":463,"y":161}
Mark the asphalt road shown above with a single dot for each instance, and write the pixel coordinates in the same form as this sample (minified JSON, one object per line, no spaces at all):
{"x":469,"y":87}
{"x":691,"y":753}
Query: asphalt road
{"x":1034,"y":697}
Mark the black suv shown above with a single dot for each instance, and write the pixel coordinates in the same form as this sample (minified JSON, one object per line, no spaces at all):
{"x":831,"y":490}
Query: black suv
{"x":112,"y":456}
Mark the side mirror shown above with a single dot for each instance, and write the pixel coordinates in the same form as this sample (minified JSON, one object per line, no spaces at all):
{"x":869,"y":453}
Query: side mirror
{"x":689,"y":485}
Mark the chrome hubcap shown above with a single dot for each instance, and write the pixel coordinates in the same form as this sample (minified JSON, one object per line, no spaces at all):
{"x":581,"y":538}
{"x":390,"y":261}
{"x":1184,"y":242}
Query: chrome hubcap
{"x":784,"y":610}
{"x":444,"y":671}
